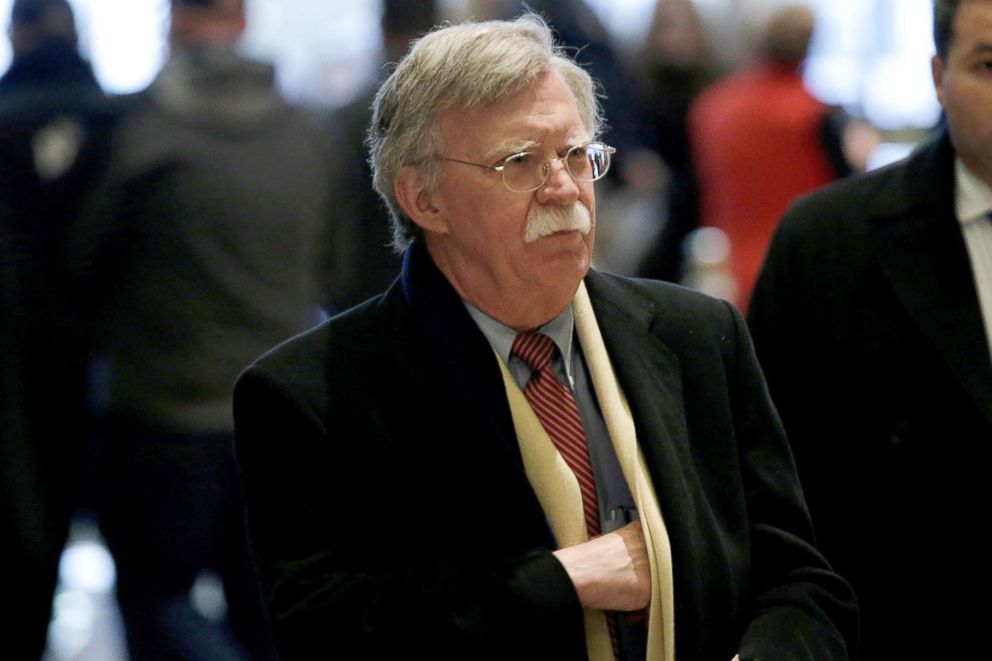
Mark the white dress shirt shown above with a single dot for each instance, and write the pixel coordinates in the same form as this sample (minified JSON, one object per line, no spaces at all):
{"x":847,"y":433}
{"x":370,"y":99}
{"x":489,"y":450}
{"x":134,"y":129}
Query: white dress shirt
{"x":973,"y":201}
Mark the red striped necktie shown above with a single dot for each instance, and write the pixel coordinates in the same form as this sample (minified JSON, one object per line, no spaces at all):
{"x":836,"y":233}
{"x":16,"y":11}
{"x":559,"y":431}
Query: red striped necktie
{"x":555,"y":407}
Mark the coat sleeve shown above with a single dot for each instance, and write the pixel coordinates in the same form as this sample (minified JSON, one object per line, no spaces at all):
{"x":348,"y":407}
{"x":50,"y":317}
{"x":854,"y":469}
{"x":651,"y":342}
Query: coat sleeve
{"x":800,"y":609}
{"x":343,"y":580}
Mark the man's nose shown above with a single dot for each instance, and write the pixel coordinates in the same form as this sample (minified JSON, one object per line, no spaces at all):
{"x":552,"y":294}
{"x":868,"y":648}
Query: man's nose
{"x":559,"y":188}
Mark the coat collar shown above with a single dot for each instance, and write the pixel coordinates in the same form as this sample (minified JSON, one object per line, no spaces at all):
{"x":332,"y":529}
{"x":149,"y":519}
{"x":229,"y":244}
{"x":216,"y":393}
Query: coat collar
{"x":647,"y":370}
{"x":624,"y":315}
{"x":446,"y":344}
{"x":922,"y":254}
{"x":455,"y":344}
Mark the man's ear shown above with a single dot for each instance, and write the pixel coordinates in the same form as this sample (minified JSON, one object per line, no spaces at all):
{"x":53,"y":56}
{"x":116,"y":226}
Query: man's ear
{"x":417,"y":201}
{"x":937,"y":71}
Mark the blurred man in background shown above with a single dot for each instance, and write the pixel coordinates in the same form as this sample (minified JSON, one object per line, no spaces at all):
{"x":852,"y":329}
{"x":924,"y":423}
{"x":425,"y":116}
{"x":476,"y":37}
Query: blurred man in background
{"x":206,"y":242}
{"x":54,"y":126}
{"x":873,"y":320}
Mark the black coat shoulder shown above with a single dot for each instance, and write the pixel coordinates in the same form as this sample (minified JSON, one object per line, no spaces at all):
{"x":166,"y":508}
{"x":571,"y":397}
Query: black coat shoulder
{"x":678,"y":316}
{"x":304,"y":366}
{"x":923,"y":182}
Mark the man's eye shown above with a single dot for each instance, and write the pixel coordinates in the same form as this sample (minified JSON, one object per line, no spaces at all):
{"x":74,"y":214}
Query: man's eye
{"x":578,"y":153}
{"x":520,"y":160}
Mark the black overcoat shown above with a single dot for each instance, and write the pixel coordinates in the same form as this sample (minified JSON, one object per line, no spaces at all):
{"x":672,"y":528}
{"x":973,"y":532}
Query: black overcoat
{"x":867,"y":323}
{"x":391,"y":512}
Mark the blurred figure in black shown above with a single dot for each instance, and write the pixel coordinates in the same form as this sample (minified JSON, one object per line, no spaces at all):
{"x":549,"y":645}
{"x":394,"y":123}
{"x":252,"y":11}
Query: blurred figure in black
{"x":54,"y":121}
{"x":364,"y":261}
{"x":207,"y":242}
{"x":678,"y":66}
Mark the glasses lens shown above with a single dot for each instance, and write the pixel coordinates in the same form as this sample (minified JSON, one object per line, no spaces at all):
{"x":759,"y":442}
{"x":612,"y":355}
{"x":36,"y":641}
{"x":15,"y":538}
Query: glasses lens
{"x":523,"y":172}
{"x":527,"y":170}
{"x":588,"y":162}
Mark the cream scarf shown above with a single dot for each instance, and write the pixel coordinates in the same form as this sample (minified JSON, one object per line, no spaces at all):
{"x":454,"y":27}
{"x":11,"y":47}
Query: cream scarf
{"x":558,"y":490}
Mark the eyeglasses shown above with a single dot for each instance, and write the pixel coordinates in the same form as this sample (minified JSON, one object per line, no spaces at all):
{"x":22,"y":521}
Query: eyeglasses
{"x":527,"y":171}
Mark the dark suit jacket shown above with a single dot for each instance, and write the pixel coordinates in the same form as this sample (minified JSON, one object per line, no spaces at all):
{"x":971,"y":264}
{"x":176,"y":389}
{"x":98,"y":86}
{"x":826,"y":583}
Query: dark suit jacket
{"x":391,"y":512}
{"x":867,"y":323}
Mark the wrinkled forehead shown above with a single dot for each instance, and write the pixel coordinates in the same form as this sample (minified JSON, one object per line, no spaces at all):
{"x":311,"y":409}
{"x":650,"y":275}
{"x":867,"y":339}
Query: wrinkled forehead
{"x":545,"y":112}
{"x":537,"y":88}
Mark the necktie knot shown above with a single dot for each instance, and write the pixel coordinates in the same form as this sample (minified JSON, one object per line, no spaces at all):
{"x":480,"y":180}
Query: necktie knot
{"x":535,"y":349}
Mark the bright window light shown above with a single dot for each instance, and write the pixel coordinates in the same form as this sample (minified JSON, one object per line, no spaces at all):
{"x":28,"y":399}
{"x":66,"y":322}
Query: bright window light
{"x":124,"y":40}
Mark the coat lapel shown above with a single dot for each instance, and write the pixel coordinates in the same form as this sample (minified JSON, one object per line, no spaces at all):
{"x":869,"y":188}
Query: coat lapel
{"x":922,"y":254}
{"x":650,"y":375}
{"x":454,"y":345}
{"x":463,"y":368}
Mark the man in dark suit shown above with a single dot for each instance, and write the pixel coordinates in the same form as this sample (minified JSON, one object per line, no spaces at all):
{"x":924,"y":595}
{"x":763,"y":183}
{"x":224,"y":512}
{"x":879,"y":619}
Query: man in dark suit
{"x":872,"y":321}
{"x":508,"y":455}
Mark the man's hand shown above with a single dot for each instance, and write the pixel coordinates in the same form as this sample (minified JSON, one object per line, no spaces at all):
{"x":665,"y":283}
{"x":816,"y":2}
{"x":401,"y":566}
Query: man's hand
{"x":610,"y":572}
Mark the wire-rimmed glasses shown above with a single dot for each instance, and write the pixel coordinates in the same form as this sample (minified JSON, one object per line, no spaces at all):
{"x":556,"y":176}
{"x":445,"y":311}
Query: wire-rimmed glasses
{"x":527,"y":171}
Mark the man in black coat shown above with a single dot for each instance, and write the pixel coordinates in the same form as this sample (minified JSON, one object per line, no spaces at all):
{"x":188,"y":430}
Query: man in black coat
{"x":872,"y":321}
{"x":54,"y":135}
{"x":419,"y":484}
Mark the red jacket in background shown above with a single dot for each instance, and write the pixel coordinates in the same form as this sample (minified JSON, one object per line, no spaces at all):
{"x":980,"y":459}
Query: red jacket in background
{"x":757,"y":143}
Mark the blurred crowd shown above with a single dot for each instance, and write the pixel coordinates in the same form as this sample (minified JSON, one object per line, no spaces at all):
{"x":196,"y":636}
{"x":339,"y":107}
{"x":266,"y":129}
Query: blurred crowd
{"x":153,"y":245}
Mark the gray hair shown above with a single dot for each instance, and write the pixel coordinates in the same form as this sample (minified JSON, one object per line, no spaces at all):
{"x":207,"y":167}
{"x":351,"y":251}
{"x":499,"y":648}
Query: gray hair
{"x":470,"y":65}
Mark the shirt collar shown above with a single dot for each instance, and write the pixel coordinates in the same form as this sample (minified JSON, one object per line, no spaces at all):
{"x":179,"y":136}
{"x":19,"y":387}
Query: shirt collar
{"x":973,"y":197}
{"x":501,"y":336}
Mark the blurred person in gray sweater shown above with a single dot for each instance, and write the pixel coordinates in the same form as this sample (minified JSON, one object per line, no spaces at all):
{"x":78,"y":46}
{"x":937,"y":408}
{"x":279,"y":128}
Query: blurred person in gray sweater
{"x":207,"y":244}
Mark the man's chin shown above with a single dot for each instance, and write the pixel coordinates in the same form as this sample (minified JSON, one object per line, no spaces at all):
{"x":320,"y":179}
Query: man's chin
{"x":566,"y":249}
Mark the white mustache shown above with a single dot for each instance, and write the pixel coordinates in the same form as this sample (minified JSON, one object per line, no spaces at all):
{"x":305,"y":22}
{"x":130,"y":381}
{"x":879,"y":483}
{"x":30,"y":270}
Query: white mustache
{"x":544,"y":221}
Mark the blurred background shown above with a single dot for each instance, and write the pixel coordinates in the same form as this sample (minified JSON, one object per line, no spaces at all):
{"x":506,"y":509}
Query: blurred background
{"x":868,"y":60}
{"x":871,"y":56}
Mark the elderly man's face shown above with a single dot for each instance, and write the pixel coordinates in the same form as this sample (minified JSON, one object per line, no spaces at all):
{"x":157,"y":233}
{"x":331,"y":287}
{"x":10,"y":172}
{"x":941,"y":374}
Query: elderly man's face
{"x":482,"y":244}
{"x":964,"y":85}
